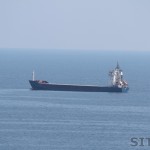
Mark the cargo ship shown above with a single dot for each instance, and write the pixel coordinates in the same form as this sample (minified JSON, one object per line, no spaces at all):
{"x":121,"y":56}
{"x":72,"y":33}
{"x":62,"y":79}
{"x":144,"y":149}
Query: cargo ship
{"x":118,"y":84}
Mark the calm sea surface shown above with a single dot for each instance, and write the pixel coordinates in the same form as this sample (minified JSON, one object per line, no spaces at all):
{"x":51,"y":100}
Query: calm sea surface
{"x":47,"y":120}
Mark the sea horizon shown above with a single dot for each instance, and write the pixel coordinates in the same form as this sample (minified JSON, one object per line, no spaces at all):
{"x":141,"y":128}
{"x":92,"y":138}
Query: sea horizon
{"x":72,"y":120}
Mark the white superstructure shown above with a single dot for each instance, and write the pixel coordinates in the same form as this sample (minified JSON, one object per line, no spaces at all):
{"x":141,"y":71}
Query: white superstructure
{"x":117,"y":77}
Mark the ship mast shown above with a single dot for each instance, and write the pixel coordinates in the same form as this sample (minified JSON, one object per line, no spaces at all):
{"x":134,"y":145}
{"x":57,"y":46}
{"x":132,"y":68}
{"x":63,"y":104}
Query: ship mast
{"x":33,"y":75}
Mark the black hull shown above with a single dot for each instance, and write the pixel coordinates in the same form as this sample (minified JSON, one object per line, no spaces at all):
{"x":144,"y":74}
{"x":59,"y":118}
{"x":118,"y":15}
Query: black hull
{"x":37,"y":85}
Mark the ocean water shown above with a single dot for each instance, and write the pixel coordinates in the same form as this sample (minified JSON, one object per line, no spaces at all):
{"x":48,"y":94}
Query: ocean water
{"x":47,"y":120}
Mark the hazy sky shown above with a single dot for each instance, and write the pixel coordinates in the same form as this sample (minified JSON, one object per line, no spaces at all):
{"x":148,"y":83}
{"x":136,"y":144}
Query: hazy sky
{"x":75,"y":24}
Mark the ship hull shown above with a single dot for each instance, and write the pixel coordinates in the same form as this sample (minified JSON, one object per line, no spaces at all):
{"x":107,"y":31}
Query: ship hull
{"x":36,"y":85}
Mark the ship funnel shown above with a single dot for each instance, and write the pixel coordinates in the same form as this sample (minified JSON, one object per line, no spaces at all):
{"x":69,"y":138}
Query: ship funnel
{"x":33,"y":75}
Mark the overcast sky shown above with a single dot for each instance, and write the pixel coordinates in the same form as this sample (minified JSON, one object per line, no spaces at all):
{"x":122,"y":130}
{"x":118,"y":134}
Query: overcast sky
{"x":75,"y":24}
